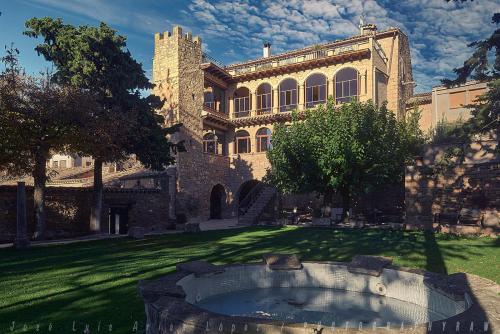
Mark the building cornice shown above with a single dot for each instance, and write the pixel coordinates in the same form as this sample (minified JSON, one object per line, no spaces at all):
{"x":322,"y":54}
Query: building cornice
{"x":298,"y":52}
{"x":303,"y":65}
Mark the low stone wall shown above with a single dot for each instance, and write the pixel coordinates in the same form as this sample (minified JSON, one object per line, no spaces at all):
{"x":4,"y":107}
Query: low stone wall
{"x":470,"y":192}
{"x":68,"y":210}
{"x":388,"y":199}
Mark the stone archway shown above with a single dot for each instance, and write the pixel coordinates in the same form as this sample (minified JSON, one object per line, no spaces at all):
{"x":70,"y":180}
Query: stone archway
{"x":217,"y":201}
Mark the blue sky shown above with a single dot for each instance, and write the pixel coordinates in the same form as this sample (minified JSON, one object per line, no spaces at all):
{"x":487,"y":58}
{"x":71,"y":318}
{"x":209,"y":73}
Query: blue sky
{"x":233,"y":31}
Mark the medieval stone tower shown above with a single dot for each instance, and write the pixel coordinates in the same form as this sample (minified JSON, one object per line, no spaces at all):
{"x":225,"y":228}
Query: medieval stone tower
{"x":179,"y":80}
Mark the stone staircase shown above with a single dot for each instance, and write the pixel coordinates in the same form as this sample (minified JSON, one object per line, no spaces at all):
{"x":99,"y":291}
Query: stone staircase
{"x":254,"y":204}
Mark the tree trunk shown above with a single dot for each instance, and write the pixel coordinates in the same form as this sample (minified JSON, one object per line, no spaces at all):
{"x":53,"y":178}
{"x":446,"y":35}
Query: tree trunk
{"x":95,"y":211}
{"x":39,"y":178}
{"x":346,"y":203}
{"x":327,"y":203}
{"x":327,"y":197}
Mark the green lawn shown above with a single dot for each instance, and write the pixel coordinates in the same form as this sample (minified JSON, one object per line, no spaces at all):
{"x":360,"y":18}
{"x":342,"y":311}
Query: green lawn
{"x":96,"y":282}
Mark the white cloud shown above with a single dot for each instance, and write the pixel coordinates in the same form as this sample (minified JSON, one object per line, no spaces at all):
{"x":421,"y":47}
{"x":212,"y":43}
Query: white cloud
{"x":439,"y":31}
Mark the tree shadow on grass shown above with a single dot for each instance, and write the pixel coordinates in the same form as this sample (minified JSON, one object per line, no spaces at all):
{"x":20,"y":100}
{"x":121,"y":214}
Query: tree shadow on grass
{"x":98,"y":280}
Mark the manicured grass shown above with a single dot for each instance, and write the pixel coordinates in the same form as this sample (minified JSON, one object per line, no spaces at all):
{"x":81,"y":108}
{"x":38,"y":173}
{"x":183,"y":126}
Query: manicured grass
{"x":94,"y":282}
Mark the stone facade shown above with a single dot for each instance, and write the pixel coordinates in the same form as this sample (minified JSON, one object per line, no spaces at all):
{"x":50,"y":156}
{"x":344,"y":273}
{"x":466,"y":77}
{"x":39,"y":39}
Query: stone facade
{"x":446,"y":104}
{"x":464,"y":198}
{"x":184,"y":76}
{"x":68,"y":210}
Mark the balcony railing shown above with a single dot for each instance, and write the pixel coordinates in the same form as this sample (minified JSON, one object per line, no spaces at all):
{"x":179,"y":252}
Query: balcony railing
{"x":208,"y":109}
{"x":264,"y":111}
{"x":210,"y":104}
{"x":242,"y":113}
{"x":293,"y":59}
{"x":206,"y":58}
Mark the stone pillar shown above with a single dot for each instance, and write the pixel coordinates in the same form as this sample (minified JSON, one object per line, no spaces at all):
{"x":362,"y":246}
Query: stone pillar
{"x":300,"y":97}
{"x":253,"y":104}
{"x":230,"y":101}
{"x":22,"y":240}
{"x":331,"y":88}
{"x":276,"y":102}
{"x":172,"y":192}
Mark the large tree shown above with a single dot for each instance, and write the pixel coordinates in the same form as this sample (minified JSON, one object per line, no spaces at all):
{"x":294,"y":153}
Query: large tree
{"x":349,"y":151}
{"x":96,"y":59}
{"x":483,"y":65}
{"x":37,"y":116}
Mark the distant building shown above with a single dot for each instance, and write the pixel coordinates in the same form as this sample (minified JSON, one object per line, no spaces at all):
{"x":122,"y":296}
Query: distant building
{"x":62,"y":161}
{"x":446,"y":104}
{"x":228,"y":112}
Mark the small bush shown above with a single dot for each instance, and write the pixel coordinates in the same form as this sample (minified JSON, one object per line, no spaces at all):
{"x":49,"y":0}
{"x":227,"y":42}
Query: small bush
{"x":447,"y":132}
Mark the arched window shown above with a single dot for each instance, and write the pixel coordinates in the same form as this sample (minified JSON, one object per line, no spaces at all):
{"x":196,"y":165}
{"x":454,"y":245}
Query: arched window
{"x":242,"y":142}
{"x":210,"y":143}
{"x":264,"y":98}
{"x":242,"y":102}
{"x":263,"y":139}
{"x":288,"y":95}
{"x":315,"y":90}
{"x":346,"y":85}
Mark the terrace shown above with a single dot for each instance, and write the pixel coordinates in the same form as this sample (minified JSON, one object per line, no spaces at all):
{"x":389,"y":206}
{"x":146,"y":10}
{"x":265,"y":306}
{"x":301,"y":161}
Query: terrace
{"x":311,"y":57}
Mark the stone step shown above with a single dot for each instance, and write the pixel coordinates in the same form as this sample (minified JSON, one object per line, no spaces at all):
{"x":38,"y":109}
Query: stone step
{"x":249,"y":217}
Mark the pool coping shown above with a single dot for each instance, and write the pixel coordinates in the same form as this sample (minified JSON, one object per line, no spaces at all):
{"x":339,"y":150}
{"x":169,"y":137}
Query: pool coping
{"x":168,"y":312}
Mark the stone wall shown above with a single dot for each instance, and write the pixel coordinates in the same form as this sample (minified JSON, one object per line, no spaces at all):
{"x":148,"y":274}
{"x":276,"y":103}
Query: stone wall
{"x":68,"y":210}
{"x":470,"y":189}
{"x":209,"y":170}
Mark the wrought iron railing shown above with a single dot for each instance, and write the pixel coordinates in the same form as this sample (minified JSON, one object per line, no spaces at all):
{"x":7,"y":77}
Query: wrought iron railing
{"x":323,"y":52}
{"x":206,"y":58}
{"x":210,"y":104}
{"x":317,"y":53}
{"x":250,"y":198}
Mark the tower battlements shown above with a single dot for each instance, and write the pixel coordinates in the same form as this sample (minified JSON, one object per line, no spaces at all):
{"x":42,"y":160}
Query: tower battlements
{"x":175,"y":35}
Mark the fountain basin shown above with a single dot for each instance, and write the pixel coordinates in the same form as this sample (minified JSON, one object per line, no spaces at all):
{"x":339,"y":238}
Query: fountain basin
{"x":317,"y":296}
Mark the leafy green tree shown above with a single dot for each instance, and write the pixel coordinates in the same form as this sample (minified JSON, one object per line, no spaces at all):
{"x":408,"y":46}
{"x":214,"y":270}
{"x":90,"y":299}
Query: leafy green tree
{"x":486,"y":113}
{"x":37,"y":117}
{"x":96,"y":59}
{"x":349,"y":151}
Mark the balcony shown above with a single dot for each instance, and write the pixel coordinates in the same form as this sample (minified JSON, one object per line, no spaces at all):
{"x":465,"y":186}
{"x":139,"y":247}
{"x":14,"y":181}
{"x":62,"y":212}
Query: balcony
{"x":210,"y":107}
{"x":325,"y":55}
{"x":311,"y":55}
{"x":214,"y":117}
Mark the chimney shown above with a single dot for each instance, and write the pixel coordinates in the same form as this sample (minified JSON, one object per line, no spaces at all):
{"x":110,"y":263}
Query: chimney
{"x":367,"y":29}
{"x":267,"y":49}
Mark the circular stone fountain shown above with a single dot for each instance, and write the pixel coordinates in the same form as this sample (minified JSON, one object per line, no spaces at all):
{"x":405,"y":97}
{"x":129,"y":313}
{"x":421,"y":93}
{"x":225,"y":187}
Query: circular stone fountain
{"x":284,"y":295}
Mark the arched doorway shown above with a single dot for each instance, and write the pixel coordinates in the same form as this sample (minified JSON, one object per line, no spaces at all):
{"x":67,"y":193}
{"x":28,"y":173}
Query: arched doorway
{"x":217,"y":201}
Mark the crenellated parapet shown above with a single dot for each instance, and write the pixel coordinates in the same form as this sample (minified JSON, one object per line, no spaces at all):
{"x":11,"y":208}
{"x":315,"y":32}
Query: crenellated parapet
{"x":176,"y":35}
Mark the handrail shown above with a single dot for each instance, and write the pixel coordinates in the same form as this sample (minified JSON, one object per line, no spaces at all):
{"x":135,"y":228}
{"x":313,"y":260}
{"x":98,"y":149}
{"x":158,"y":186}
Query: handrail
{"x":206,"y":58}
{"x":287,"y":59}
{"x":250,"y":198}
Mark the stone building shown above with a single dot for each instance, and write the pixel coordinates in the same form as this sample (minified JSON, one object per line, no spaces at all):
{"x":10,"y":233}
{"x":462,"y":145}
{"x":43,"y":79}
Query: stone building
{"x":446,"y":104}
{"x":228,"y":112}
{"x":464,"y":197}
{"x":63,"y":161}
